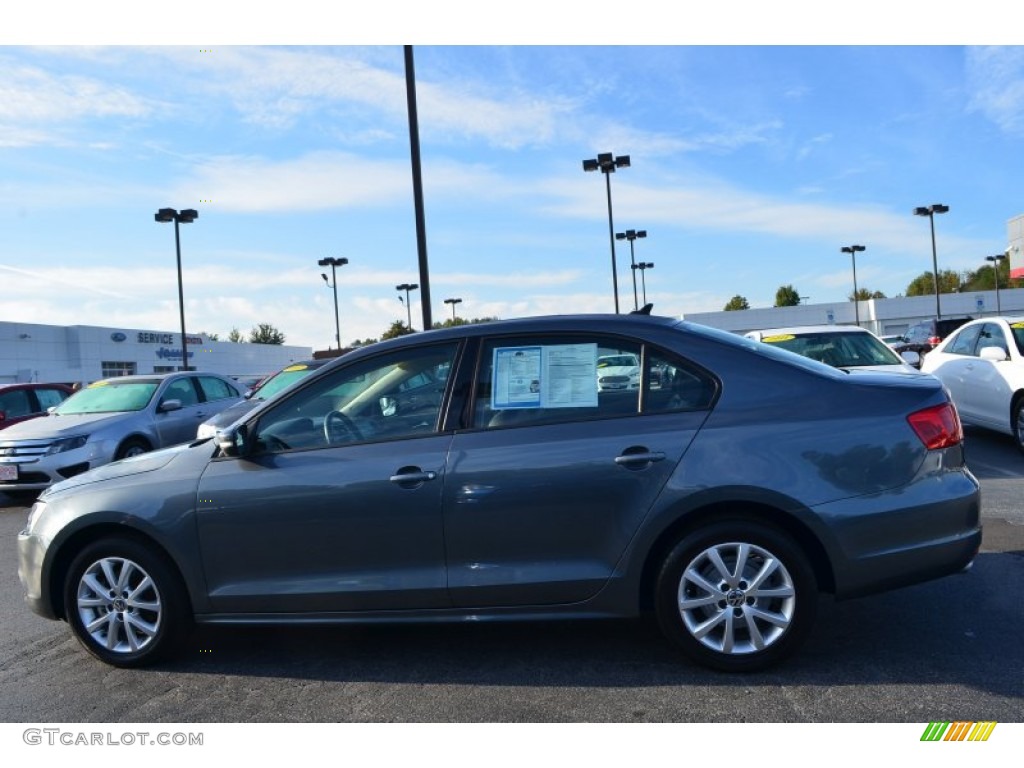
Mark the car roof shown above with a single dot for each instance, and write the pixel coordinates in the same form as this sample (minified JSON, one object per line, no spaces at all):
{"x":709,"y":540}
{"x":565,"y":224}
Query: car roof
{"x":804,"y":329}
{"x":34,"y":385}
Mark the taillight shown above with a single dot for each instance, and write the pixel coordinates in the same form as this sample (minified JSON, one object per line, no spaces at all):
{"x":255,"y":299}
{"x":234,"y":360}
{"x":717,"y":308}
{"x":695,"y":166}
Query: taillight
{"x":938,"y":426}
{"x":934,"y":340}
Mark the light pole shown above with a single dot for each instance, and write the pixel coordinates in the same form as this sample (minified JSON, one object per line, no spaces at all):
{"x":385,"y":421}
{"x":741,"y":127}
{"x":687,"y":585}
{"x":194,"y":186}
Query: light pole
{"x":408,"y":307}
{"x":642,"y":266}
{"x":607,"y":163}
{"x":631,"y":235}
{"x":853,"y":250}
{"x":334,"y":263}
{"x":186,"y":216}
{"x":930,"y":212}
{"x":453,"y":302}
{"x":995,"y":273}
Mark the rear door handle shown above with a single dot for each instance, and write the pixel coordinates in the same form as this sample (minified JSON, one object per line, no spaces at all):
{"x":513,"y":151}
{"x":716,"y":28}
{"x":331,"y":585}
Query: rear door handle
{"x":640,"y":457}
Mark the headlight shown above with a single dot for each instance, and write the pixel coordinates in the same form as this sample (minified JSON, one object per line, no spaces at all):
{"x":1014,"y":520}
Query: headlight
{"x":66,"y":444}
{"x":205,"y":431}
{"x":34,"y":513}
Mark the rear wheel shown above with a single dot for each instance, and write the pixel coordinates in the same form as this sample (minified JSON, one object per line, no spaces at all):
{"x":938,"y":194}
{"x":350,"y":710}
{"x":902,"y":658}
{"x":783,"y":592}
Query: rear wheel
{"x":124,"y":603}
{"x":736,"y":596}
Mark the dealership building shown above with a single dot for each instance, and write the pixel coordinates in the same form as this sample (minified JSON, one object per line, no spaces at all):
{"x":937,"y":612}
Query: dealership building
{"x":86,"y":353}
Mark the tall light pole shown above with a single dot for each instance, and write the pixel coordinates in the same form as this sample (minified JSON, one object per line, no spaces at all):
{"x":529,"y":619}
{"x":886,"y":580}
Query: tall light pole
{"x":408,"y":307}
{"x":642,"y":266}
{"x":930,"y":212}
{"x":995,"y":273}
{"x":853,"y":250}
{"x":607,"y":163}
{"x":453,"y":302}
{"x":186,"y":216}
{"x":334,"y":263}
{"x":631,"y":235}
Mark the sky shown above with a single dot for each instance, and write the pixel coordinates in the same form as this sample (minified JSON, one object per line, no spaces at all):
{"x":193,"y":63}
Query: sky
{"x":751,"y":166}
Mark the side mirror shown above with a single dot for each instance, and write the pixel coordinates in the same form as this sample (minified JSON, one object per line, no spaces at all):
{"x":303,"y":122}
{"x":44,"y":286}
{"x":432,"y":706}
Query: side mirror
{"x":910,"y":357}
{"x":234,"y":442}
{"x":993,"y":354}
{"x":169,"y":405}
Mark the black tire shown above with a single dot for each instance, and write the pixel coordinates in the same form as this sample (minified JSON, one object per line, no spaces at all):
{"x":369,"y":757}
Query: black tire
{"x":133,"y":446}
{"x":734,"y":621}
{"x":125,"y":603}
{"x":1017,"y":422}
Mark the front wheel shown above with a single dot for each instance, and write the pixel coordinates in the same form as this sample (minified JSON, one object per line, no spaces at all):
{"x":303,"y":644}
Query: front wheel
{"x":124,"y":603}
{"x":736,"y":596}
{"x":1017,"y":422}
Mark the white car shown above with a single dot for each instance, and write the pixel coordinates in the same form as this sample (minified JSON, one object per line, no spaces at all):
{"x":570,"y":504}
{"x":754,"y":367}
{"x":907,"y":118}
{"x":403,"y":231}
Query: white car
{"x":982,"y":366}
{"x":618,"y":372}
{"x":841,"y":346}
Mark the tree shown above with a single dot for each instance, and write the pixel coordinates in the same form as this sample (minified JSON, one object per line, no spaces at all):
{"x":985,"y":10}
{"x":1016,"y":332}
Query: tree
{"x":398,"y":328}
{"x":786,"y":296}
{"x":236,"y":336}
{"x":737,"y":302}
{"x":265,"y":333}
{"x":983,"y":278}
{"x":924,"y":284}
{"x":210,"y":336}
{"x":449,"y":323}
{"x":864,"y":294}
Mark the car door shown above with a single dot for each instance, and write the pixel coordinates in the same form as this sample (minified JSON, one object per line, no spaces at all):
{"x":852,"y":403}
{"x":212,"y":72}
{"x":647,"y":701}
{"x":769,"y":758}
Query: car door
{"x":953,"y":365}
{"x":545,"y":491}
{"x":338,"y":506}
{"x":179,"y":425}
{"x":989,"y":392}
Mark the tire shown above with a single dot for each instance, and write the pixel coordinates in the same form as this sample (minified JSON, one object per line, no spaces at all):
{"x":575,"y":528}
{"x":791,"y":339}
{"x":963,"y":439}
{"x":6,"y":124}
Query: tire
{"x":124,"y":603}
{"x":133,"y":446}
{"x":1017,"y":422}
{"x":710,"y":602}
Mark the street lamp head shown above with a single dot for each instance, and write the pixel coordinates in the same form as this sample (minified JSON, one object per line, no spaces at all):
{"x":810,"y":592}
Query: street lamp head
{"x":606,"y":162}
{"x":188,"y":215}
{"x":852,"y":249}
{"x":922,"y":211}
{"x":590,"y":165}
{"x":940,"y":208}
{"x":931,"y":209}
{"x":165,"y":215}
{"x":997,"y":257}
{"x":641,"y":233}
{"x":620,"y":235}
{"x":325,"y":278}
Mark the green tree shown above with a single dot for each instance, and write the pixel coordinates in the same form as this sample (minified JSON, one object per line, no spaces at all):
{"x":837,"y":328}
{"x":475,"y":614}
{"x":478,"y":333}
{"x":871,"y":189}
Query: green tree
{"x":398,"y":328}
{"x":786,"y":296}
{"x":449,"y":323}
{"x":863,"y":294}
{"x":265,"y":333}
{"x":924,"y":284}
{"x":737,"y":302}
{"x":210,"y":336}
{"x":236,"y":336}
{"x":983,"y":278}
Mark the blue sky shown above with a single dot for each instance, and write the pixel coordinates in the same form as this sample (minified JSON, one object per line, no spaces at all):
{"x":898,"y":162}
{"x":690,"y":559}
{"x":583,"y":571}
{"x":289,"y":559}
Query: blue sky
{"x":751,"y":167}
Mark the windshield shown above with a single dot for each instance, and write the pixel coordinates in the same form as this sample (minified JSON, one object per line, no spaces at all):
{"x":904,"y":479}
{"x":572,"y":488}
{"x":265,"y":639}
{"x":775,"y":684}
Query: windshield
{"x":840,"y":350}
{"x":280,"y":380}
{"x":617,"y":361}
{"x":109,"y":397}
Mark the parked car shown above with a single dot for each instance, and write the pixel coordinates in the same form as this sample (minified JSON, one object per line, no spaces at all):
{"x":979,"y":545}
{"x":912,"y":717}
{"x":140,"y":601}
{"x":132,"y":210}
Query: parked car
{"x":618,"y":372}
{"x":982,"y":366}
{"x":267,"y":387}
{"x":923,"y":337}
{"x":110,"y":419}
{"x":723,"y":501}
{"x":29,"y":400}
{"x":841,"y":346}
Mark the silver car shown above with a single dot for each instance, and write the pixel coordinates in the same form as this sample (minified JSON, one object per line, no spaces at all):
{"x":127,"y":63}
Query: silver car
{"x":478,"y":473}
{"x":109,"y":420}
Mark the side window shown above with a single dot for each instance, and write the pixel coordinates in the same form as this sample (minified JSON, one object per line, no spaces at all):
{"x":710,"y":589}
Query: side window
{"x":673,"y":384}
{"x":15,"y":403}
{"x":964,"y":342}
{"x":183,"y":390}
{"x":48,"y":398}
{"x":384,"y":398}
{"x":556,"y":378}
{"x":215,"y":389}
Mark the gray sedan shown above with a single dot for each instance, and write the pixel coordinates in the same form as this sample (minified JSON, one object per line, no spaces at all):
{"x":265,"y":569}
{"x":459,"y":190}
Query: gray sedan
{"x":723,"y":500}
{"x":109,"y":420}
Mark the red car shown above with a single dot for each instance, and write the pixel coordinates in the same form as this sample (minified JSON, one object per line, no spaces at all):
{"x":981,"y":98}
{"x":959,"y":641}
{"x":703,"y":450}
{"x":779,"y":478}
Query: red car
{"x":21,"y":402}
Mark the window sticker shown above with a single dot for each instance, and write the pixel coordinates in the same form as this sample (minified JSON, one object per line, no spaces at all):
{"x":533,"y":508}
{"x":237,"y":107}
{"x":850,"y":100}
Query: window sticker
{"x":551,"y":376}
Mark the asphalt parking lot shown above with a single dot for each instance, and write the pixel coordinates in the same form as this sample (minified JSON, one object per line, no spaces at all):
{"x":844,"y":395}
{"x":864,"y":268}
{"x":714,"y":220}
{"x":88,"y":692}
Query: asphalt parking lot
{"x":946,"y":650}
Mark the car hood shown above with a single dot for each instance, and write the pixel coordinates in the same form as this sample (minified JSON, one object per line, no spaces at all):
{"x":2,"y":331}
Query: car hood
{"x":230,"y":415}
{"x":618,"y":370}
{"x":136,"y":465}
{"x":53,"y":426}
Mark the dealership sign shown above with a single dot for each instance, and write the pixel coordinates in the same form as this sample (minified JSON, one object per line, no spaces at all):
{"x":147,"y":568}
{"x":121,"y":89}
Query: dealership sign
{"x":145,"y":337}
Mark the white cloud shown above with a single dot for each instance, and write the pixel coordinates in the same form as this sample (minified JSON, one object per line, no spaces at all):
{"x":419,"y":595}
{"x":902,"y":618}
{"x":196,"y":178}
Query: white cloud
{"x":996,"y":75}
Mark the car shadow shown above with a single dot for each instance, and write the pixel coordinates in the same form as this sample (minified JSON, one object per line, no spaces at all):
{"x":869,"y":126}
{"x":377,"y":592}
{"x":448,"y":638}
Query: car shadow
{"x":947,"y":632}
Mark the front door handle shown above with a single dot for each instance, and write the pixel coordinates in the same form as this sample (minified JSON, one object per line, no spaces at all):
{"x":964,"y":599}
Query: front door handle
{"x":412,"y":476}
{"x":634,"y":457}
